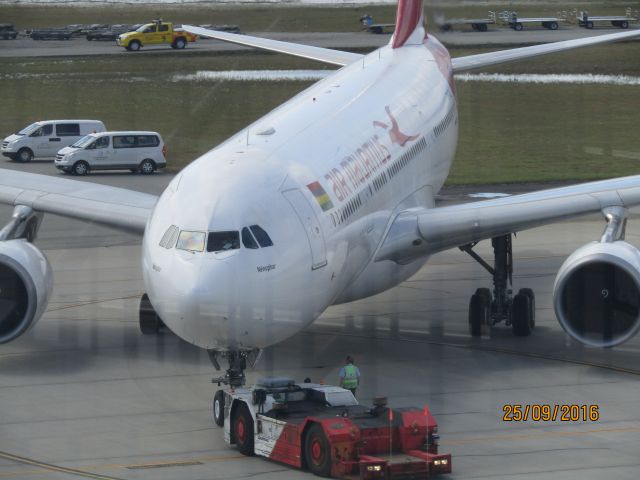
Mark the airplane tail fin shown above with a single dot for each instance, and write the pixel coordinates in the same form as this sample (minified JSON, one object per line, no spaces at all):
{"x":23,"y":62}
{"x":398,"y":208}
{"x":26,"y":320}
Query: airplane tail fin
{"x":409,"y":24}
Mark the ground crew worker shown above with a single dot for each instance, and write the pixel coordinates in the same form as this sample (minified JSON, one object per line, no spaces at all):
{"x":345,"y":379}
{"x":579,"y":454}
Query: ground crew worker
{"x":349,"y":375}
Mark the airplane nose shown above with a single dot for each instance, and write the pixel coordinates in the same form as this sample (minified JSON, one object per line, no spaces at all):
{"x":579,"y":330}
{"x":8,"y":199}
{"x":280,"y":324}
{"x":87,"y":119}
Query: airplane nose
{"x":251,"y":299}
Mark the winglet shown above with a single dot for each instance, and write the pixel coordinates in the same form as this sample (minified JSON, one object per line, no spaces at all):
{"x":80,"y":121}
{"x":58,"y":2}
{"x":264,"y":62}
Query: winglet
{"x":409,"y":24}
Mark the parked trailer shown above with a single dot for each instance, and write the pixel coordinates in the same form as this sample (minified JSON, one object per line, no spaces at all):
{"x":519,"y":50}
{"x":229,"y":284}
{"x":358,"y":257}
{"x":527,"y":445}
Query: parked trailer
{"x":477,"y":24}
{"x":517,"y":23}
{"x":324,"y":429}
{"x":622,"y":21}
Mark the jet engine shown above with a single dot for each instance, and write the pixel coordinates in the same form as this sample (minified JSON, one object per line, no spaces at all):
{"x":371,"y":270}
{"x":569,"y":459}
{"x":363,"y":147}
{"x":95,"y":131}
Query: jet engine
{"x":25,"y":287}
{"x":597,"y":293}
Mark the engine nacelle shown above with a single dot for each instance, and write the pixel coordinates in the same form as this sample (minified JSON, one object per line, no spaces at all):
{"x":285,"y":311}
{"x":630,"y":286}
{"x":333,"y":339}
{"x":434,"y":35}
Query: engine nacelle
{"x":596,"y":294}
{"x":26,"y":279}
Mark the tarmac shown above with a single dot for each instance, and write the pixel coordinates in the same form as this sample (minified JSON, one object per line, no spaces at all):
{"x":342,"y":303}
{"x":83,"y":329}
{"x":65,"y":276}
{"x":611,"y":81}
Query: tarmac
{"x":85,"y":394}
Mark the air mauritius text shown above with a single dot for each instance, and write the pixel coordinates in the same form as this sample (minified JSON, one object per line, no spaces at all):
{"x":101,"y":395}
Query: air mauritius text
{"x":356,"y":168}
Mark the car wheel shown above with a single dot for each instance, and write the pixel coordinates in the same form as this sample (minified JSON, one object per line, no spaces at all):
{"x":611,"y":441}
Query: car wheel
{"x":518,"y":27}
{"x":134,"y":46}
{"x":147,"y":167}
{"x":218,"y":408}
{"x":25,"y":155}
{"x":624,"y":24}
{"x":81,"y":168}
{"x":180,"y":43}
{"x":317,"y":453}
{"x":243,"y":430}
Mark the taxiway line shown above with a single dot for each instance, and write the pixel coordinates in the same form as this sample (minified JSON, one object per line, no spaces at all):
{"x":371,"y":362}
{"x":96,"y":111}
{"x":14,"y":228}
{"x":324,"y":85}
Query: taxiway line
{"x":46,"y":467}
{"x":54,"y":468}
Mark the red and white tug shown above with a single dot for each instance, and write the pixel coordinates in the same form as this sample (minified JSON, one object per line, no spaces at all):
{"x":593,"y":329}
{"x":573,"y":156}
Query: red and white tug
{"x":323,"y":428}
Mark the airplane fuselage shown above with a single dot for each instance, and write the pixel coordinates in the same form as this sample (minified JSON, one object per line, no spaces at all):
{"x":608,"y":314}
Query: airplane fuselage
{"x":323,"y":176}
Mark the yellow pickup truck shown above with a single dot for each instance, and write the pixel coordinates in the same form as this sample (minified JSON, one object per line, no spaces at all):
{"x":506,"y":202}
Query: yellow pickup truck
{"x":155,"y":33}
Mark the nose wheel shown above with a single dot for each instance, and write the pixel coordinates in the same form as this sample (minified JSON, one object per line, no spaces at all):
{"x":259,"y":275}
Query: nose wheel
{"x":488,"y":308}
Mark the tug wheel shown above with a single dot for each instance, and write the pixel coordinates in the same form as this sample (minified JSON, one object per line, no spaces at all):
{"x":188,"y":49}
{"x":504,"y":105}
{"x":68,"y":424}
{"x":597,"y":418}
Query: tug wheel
{"x":218,"y":408}
{"x":243,"y":430}
{"x":316,"y":451}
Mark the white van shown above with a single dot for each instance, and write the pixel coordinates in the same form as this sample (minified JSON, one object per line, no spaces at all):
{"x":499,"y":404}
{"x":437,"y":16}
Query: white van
{"x":44,"y":139}
{"x":136,"y":151}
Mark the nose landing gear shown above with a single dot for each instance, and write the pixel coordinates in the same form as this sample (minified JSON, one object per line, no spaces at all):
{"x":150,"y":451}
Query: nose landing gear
{"x":237,"y":361}
{"x":488,"y":308}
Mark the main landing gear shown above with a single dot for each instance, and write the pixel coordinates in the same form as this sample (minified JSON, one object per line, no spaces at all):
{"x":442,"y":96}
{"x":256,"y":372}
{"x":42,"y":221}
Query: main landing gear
{"x":150,"y":322}
{"x":486,"y":308}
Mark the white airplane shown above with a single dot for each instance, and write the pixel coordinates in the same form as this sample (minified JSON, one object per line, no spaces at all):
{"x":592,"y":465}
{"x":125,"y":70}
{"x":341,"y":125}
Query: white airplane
{"x":327,"y":199}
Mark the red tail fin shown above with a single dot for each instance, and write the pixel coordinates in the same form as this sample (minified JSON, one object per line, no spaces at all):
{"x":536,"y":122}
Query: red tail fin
{"x":408,"y":18}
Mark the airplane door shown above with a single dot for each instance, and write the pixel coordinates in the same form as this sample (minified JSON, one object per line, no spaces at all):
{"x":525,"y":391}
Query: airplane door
{"x":310,"y":222}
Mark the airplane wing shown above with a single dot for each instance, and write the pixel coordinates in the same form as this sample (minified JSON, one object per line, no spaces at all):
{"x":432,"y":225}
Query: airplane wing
{"x":326,"y":55}
{"x":422,"y":231}
{"x":115,"y":207}
{"x":471,"y":62}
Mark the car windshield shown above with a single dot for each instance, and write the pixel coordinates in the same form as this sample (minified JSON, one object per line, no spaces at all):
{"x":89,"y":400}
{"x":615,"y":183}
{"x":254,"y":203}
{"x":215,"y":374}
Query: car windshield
{"x":83,"y":142}
{"x":143,"y":28}
{"x":28,"y":130}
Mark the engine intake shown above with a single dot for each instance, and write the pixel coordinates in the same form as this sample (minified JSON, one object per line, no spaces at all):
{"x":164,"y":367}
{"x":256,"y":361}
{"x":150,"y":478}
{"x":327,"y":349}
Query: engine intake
{"x":597,"y":293}
{"x":25,"y":287}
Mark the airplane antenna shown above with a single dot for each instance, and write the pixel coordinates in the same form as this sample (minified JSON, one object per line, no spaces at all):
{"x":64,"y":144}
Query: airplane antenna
{"x":247,"y":137}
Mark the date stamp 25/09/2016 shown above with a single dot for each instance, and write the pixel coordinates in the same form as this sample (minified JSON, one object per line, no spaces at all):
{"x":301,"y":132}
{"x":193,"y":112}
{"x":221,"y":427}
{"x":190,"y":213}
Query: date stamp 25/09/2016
{"x":550,"y":413}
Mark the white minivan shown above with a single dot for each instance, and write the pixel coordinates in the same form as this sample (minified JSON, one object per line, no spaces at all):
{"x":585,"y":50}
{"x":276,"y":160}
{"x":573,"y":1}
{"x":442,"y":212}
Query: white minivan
{"x":44,"y":139}
{"x":142,"y":152}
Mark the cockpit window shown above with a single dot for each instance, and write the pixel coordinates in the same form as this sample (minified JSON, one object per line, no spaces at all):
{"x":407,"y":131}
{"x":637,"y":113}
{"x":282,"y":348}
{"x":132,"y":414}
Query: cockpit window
{"x":221,"y":241}
{"x":261,"y":236}
{"x":169,"y":238}
{"x":247,"y":239}
{"x":191,"y":241}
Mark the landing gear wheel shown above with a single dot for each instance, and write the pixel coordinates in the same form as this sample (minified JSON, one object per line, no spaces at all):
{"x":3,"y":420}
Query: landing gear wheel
{"x":25,"y":155}
{"x":243,"y":430}
{"x":532,"y":298}
{"x":81,"y":168}
{"x":150,"y":323}
{"x":479,"y":311}
{"x":521,"y":315}
{"x":218,"y":408}
{"x":317,"y":453}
